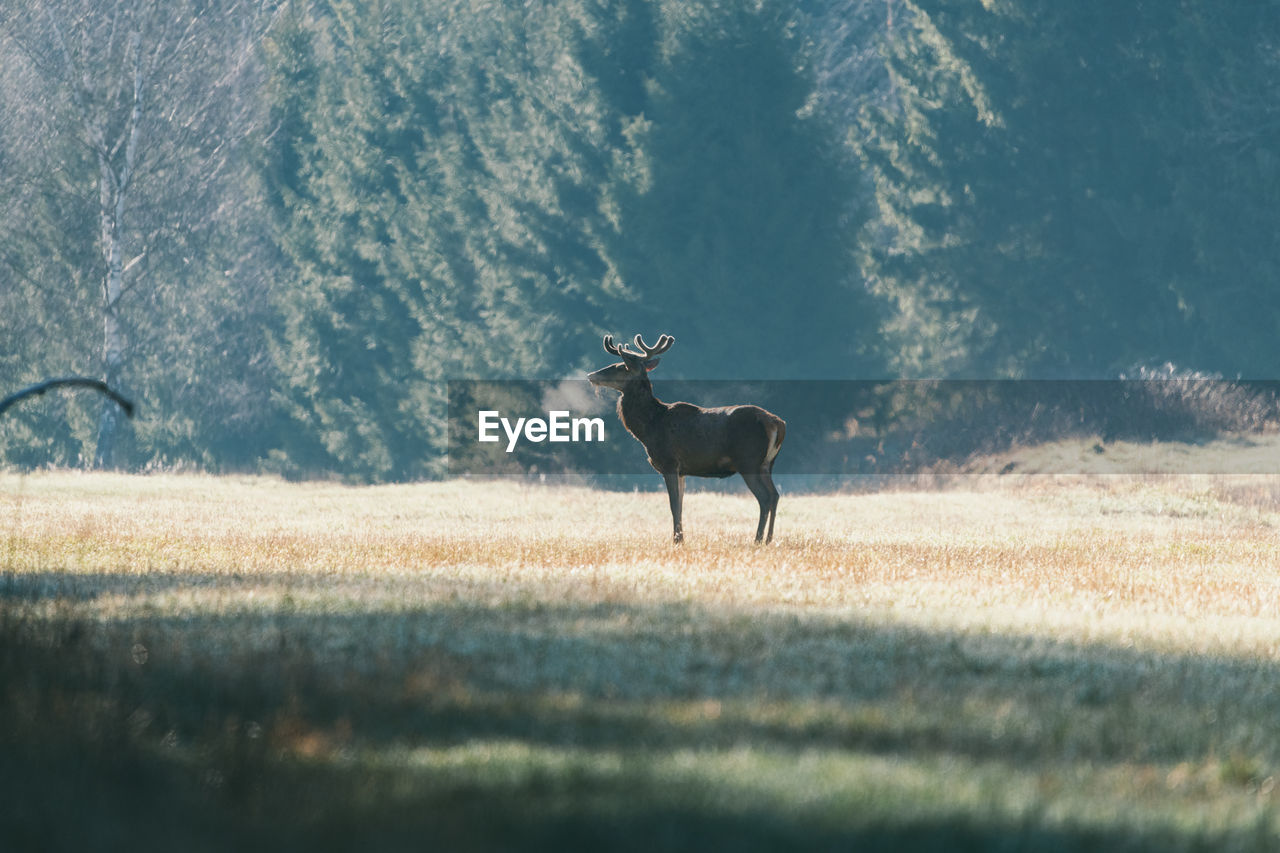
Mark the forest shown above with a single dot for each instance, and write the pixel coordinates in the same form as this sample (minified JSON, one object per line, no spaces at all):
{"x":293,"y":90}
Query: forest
{"x":283,"y":227}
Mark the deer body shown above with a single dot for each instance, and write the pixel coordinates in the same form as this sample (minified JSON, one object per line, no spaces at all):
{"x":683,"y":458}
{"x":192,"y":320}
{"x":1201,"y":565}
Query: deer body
{"x":682,"y":439}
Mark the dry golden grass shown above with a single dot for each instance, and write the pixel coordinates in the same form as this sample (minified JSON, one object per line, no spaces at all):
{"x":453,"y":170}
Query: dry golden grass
{"x":1176,"y":565}
{"x":1047,"y":660}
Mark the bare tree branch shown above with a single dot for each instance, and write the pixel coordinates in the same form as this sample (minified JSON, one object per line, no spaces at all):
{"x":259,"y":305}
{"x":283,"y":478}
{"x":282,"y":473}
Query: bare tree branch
{"x":67,"y":382}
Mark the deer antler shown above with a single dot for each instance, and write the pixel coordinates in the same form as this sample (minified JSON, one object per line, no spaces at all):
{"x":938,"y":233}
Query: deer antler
{"x":615,"y":349}
{"x":646,"y":351}
{"x":664,"y":344}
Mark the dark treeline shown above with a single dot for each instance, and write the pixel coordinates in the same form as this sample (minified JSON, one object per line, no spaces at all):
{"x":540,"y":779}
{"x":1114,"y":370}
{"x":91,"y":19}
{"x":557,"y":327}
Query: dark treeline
{"x":282,"y":226}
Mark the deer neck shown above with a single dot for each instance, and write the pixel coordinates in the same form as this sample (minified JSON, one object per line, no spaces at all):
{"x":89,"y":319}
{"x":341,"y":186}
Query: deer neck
{"x":640,"y":410}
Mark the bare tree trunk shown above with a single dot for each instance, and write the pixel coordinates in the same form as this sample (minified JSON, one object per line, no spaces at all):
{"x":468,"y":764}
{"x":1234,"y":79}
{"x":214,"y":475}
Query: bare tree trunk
{"x":113,"y":344}
{"x":113,"y":341}
{"x":114,"y":190}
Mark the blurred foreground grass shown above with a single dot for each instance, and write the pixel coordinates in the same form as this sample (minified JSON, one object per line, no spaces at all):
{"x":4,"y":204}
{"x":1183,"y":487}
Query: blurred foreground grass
{"x":1048,"y":663}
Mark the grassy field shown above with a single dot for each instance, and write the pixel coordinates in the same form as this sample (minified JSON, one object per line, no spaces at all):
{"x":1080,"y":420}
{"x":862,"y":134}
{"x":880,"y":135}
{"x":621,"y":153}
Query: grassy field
{"x":1043,"y":663}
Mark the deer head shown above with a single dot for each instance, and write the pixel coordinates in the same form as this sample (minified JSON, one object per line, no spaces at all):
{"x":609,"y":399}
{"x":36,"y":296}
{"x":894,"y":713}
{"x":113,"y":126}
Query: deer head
{"x":634,"y":366}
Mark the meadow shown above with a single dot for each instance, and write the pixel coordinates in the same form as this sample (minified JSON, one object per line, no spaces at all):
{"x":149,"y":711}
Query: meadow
{"x":1034,"y":662}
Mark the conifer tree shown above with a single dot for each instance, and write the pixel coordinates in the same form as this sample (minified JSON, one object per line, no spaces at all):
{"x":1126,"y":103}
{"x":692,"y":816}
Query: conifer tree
{"x":439,"y":213}
{"x":737,"y":215}
{"x":1053,"y":183}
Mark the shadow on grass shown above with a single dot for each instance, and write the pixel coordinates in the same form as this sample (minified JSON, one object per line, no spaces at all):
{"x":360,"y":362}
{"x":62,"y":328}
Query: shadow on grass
{"x":283,"y":729}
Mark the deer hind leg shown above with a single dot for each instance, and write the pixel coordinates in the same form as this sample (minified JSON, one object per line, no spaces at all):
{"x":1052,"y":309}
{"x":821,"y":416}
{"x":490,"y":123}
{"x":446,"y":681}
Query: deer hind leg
{"x":767,"y":476}
{"x":776,"y":436}
{"x":675,"y":494}
{"x":761,"y":485}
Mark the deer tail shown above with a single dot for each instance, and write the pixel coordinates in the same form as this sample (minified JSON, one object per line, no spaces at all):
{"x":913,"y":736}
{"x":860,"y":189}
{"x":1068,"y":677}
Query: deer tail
{"x":775,"y":430}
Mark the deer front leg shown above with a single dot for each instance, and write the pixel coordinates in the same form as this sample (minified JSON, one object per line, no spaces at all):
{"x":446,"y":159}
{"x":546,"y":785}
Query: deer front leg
{"x":675,"y":494}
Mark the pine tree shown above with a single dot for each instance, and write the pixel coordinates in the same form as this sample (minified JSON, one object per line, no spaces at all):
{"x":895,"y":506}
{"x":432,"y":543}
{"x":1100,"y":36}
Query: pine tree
{"x":736,"y":215}
{"x":439,"y":209}
{"x":1053,"y":188}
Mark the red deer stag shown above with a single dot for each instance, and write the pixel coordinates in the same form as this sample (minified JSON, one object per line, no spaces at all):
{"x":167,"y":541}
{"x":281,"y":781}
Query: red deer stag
{"x":684,"y":439}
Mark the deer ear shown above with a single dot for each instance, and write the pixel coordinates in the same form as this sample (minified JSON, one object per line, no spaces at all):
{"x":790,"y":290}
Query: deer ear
{"x":651,"y":363}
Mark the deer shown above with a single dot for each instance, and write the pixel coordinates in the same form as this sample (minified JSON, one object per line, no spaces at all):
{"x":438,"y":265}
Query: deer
{"x":682,"y":439}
